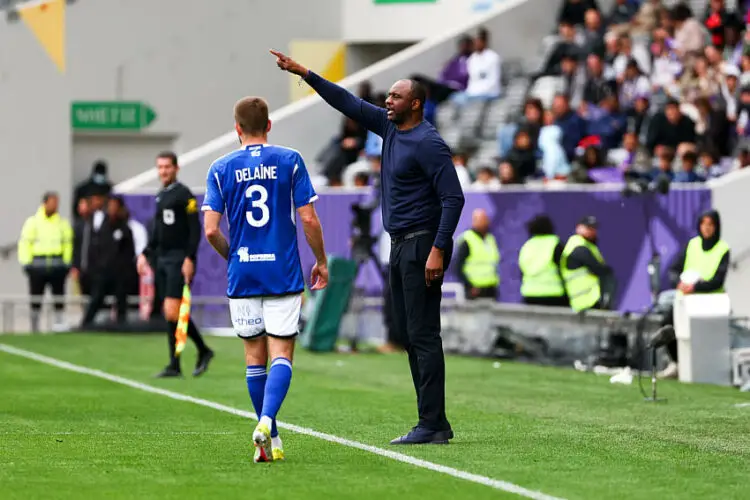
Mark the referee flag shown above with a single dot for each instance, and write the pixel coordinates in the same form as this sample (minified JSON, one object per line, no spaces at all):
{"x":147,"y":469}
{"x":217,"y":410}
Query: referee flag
{"x":182,"y":321}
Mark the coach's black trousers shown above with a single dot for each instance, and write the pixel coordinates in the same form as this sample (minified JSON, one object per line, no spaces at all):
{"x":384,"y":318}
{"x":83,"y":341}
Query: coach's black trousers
{"x":416,"y":311}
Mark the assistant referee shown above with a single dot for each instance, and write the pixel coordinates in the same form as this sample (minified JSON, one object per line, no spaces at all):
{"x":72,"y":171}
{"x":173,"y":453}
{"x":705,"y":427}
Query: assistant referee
{"x":422,"y":202}
{"x":173,"y":245}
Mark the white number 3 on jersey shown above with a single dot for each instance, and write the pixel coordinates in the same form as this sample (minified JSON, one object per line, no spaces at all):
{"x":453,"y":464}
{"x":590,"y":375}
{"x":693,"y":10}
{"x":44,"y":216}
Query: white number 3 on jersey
{"x":168,"y":216}
{"x":260,"y":203}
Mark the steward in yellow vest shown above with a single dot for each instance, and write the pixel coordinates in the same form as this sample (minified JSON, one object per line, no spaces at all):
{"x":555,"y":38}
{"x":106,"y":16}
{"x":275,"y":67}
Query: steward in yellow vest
{"x":45,"y":251}
{"x":701,"y":267}
{"x":478,"y":258}
{"x":584,"y":270}
{"x":539,"y":262}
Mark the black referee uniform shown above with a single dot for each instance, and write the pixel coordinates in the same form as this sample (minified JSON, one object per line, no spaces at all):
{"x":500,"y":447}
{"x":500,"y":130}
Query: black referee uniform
{"x":176,"y":233}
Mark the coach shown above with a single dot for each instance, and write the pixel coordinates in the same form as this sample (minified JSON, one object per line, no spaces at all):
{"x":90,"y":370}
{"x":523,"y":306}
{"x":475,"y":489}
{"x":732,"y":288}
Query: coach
{"x":422,"y":202}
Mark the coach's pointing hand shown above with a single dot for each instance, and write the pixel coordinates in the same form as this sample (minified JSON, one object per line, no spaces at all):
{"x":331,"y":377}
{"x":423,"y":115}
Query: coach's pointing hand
{"x":288,"y":64}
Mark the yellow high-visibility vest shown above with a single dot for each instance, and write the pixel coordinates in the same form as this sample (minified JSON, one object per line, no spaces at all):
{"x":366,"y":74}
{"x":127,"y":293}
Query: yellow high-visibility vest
{"x":540,"y":276}
{"x":581,"y":284}
{"x":705,"y":263}
{"x":480,"y":266}
{"x":45,"y":240}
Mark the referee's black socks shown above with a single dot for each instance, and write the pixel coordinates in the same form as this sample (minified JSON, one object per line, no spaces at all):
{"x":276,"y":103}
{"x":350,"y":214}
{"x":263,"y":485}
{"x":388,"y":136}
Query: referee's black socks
{"x":196,"y":337}
{"x":174,"y":362}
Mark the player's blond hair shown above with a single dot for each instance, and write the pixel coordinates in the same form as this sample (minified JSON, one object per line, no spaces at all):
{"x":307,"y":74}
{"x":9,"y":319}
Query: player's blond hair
{"x":251,"y":114}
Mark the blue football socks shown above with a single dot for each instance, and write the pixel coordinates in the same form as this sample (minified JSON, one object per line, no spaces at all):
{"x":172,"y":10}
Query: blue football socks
{"x":277,"y":385}
{"x":256,"y":385}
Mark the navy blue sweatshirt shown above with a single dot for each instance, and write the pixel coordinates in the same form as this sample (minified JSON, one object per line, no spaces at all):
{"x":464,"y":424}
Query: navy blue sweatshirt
{"x":418,"y":181}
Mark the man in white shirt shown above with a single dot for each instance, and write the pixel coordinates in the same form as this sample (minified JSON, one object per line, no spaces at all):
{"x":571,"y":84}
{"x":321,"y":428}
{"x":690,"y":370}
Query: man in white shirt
{"x":484,"y":73}
{"x":459,"y":161}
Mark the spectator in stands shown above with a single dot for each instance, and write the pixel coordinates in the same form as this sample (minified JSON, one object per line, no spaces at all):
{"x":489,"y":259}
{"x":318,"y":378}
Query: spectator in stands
{"x":593,"y":33}
{"x":647,"y":17}
{"x":710,"y":166}
{"x":455,"y":74}
{"x":713,"y":128}
{"x":98,"y":181}
{"x":666,"y":67}
{"x":743,"y":113}
{"x":687,"y":171}
{"x":486,"y":179}
{"x":733,"y":43}
{"x":590,"y":157}
{"x":621,"y":14}
{"x":572,"y":125}
{"x":522,"y":156}
{"x":574,"y":11}
{"x":688,"y":32}
{"x":664,"y":164}
{"x":566,"y":46}
{"x":484,"y":72}
{"x":598,"y":85}
{"x":670,"y":128}
{"x":459,"y":161}
{"x":531,"y":123}
{"x":633,"y":84}
{"x":606,"y":122}
{"x":573,"y":79}
{"x":555,"y":163}
{"x":628,"y":52}
{"x":626,"y":157}
{"x":716,"y":19}
{"x":743,"y":159}
{"x":477,"y":258}
{"x":638,"y":117}
{"x":700,"y":80}
{"x":507,"y":173}
{"x":343,"y":151}
{"x":729,"y":92}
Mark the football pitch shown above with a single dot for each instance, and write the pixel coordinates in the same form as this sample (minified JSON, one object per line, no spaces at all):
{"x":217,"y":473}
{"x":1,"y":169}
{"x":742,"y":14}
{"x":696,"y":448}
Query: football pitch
{"x":81,"y":417}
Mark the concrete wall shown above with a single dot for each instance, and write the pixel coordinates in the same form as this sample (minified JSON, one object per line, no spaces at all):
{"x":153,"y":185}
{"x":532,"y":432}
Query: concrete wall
{"x":309,"y":123}
{"x":189,"y":60}
{"x":729,"y":197}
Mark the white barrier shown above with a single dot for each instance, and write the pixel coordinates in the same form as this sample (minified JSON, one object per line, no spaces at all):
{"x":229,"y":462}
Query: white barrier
{"x":703,"y":336}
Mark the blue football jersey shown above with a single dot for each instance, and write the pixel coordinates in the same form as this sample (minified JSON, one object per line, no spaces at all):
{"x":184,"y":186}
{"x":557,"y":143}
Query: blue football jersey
{"x":260,"y":187}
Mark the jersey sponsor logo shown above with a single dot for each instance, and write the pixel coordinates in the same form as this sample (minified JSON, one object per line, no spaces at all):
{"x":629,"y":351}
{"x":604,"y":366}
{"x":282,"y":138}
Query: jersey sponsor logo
{"x":248,"y":321}
{"x":245,"y":256}
{"x":192,"y":206}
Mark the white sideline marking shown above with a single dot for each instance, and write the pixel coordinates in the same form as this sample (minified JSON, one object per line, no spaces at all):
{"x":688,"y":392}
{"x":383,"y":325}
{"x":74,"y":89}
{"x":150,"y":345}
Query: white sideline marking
{"x":742,"y":405}
{"x":450,"y":471}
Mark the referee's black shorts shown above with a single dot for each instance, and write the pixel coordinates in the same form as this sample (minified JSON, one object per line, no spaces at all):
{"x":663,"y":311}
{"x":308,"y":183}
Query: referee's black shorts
{"x":168,"y":275}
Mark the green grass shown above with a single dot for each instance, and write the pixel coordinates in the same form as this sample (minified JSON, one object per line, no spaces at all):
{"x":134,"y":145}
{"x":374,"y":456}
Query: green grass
{"x":567,"y":434}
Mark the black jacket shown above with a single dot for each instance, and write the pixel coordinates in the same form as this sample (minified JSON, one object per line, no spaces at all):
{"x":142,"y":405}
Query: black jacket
{"x":678,"y":264}
{"x":114,"y":248}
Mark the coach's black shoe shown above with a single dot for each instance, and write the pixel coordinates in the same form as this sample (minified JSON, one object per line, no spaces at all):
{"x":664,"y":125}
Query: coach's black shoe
{"x":421,"y":435}
{"x":202,"y":365}
{"x":169,"y":372}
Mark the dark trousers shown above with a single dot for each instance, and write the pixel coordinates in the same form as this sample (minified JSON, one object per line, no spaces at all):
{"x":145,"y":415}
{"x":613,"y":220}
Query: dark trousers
{"x":668,"y":319}
{"x":102,"y":286}
{"x":416,"y":311}
{"x":394,"y":336}
{"x":39,"y":279}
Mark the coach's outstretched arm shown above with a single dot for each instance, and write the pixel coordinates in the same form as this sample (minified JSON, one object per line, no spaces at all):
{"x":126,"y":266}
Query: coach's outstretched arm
{"x":314,"y":236}
{"x":359,"y":110}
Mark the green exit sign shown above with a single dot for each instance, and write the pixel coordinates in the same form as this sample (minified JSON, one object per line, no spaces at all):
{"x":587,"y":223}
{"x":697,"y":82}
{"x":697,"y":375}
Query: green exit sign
{"x":111,"y":115}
